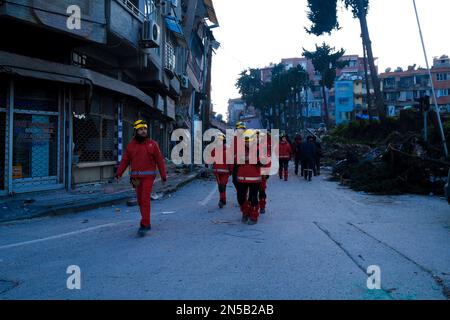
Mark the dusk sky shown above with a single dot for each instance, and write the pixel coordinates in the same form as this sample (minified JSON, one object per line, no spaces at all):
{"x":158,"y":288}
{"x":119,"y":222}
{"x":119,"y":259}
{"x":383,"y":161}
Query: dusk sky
{"x":254,"y":33}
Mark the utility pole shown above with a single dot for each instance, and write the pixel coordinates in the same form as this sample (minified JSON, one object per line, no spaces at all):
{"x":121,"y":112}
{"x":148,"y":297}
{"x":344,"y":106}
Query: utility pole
{"x":436,"y":107}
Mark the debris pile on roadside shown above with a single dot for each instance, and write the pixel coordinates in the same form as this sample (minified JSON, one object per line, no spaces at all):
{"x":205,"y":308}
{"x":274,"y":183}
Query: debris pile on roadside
{"x":392,"y":163}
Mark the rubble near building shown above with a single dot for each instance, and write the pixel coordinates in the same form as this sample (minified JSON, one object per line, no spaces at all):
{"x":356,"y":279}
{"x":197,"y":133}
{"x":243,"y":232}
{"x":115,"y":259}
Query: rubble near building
{"x":396,"y":160}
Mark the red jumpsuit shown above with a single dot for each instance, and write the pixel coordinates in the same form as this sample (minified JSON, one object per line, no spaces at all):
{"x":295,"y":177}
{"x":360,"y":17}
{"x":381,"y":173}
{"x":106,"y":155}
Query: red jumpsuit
{"x":144,"y":158}
{"x":284,"y":156}
{"x":248,"y":182}
{"x":222,"y":173}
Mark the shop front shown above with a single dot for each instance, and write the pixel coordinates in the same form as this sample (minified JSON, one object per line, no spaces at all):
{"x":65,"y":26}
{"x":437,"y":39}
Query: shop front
{"x":37,"y":161}
{"x":4,"y":86}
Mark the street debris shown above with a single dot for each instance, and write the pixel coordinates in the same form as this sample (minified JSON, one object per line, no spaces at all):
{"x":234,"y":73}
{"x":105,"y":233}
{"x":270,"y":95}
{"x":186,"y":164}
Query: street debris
{"x":367,"y":157}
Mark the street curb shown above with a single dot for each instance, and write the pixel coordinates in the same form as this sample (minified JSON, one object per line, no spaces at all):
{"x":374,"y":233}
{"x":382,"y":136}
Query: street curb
{"x":104,"y":201}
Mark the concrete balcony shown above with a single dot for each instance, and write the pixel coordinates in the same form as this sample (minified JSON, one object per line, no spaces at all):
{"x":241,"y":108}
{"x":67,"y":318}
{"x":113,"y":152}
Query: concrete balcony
{"x":53,"y":15}
{"x":125,"y":22}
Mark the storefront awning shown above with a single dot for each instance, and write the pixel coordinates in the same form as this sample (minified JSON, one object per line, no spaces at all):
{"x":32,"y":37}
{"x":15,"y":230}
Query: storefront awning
{"x":42,"y":69}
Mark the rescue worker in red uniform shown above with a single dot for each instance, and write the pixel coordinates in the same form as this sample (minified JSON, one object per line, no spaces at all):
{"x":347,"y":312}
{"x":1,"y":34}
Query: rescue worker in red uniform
{"x":249,"y":180}
{"x":262,"y":194}
{"x":240,"y":128}
{"x":144,"y":156}
{"x":284,"y":157}
{"x":222,"y":173}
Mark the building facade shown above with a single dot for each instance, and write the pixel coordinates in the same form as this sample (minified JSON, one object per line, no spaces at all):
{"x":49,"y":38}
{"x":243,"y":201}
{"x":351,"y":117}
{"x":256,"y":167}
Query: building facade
{"x":402,"y":87}
{"x":75,"y":75}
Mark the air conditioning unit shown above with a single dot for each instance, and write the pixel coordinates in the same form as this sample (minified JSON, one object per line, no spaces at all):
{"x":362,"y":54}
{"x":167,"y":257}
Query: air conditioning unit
{"x":184,"y":81}
{"x":151,"y":35}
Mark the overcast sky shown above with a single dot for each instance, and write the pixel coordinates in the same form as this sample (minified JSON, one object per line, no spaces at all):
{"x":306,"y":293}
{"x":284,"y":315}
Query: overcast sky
{"x":254,"y":33}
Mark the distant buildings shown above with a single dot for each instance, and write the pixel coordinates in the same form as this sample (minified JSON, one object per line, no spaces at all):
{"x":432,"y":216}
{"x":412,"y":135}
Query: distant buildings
{"x":341,"y":106}
{"x":400,"y":87}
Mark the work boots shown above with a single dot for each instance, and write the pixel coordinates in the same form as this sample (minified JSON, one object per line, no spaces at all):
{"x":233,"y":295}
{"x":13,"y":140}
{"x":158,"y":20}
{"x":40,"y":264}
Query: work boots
{"x":245,"y":209}
{"x":262,"y":206}
{"x":254,"y":214}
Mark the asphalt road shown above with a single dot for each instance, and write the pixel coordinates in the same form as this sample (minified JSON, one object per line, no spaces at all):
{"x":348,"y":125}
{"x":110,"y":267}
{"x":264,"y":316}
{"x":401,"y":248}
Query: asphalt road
{"x":316,"y":241}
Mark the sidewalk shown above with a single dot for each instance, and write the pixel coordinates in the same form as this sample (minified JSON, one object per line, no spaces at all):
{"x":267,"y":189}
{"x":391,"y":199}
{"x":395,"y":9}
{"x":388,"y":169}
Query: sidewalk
{"x":37,"y":204}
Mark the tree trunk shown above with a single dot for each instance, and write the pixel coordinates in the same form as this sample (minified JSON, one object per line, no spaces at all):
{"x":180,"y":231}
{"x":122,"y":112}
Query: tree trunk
{"x":325,"y":104}
{"x":379,"y":101}
{"x":366,"y":76}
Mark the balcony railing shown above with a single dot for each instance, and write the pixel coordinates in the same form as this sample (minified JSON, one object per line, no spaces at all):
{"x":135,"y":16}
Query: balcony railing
{"x":130,"y":5}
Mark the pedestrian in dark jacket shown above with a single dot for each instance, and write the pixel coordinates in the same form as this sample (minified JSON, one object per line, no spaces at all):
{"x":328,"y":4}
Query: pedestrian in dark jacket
{"x":298,"y":152}
{"x":319,"y":155}
{"x":309,"y":155}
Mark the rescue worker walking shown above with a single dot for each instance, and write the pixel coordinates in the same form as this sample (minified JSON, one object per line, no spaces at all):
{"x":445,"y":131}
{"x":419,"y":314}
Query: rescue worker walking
{"x":284,"y":157}
{"x":298,"y":152}
{"x":319,"y":155}
{"x":240,"y":128}
{"x":249,"y":180}
{"x":262,"y":194}
{"x":222,"y":173}
{"x":145,"y":157}
{"x":309,"y":155}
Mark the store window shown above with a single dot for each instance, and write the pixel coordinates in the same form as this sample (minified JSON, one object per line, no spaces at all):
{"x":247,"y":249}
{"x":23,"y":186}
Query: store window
{"x":94,"y":129}
{"x":3,"y":97}
{"x":35,"y":132}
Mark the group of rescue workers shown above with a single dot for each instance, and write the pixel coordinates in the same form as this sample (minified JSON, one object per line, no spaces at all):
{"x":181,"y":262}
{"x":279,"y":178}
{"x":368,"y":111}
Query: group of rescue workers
{"x":249,"y":177}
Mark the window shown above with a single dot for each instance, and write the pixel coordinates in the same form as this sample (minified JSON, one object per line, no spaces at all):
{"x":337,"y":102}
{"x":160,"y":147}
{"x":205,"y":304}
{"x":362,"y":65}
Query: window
{"x":94,"y":129}
{"x":442,"y":76}
{"x":389,"y":82}
{"x":79,"y":59}
{"x":443,"y":93}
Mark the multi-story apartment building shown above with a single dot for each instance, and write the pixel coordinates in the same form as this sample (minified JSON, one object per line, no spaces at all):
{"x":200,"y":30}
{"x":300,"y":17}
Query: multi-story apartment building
{"x":313,"y":97}
{"x":75,"y":75}
{"x":401,"y":87}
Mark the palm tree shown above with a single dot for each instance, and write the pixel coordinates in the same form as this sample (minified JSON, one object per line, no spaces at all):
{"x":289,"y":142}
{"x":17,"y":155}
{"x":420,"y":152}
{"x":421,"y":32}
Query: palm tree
{"x":323,"y":15}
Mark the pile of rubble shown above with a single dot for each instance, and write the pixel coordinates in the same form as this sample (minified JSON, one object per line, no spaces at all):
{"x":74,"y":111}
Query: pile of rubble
{"x":400,"y":163}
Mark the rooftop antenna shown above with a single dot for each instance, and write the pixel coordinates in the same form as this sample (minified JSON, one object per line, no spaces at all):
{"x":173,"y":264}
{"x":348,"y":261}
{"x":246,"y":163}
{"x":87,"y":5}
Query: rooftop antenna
{"x":432,"y":84}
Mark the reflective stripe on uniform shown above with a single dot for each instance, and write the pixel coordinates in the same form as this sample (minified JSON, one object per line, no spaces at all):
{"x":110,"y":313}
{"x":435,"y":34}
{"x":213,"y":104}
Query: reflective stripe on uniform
{"x":221,"y":171}
{"x":144,"y":173}
{"x":256,"y":179}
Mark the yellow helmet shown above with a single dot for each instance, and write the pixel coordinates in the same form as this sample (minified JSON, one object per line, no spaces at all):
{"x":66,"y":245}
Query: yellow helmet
{"x":241,"y":125}
{"x":249,"y":135}
{"x":140,"y":124}
{"x":221,"y":137}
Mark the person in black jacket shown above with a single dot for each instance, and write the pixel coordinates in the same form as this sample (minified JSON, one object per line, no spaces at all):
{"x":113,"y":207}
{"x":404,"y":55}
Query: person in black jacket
{"x":319,"y":155}
{"x":298,"y":153}
{"x":309,"y":156}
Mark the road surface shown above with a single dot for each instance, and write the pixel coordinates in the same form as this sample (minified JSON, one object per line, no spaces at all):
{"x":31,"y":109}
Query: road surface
{"x":316,"y":241}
